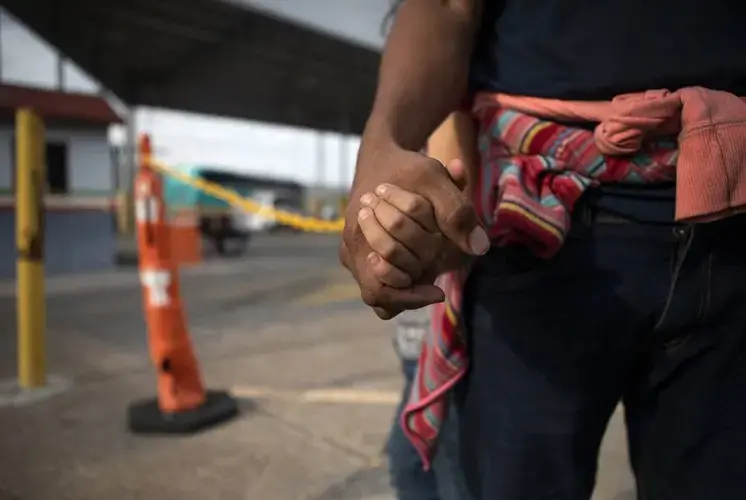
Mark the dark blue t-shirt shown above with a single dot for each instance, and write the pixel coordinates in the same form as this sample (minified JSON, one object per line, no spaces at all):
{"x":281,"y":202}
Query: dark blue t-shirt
{"x":596,"y":49}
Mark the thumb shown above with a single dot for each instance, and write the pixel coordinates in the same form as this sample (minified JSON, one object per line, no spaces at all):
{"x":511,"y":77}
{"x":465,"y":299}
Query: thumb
{"x":457,"y":170}
{"x":455,"y":213}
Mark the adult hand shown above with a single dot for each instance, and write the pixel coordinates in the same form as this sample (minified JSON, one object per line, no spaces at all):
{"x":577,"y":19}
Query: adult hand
{"x":452,"y":210}
{"x":405,"y":235}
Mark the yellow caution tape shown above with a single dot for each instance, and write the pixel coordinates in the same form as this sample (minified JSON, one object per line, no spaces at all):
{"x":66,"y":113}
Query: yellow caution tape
{"x":230,"y":196}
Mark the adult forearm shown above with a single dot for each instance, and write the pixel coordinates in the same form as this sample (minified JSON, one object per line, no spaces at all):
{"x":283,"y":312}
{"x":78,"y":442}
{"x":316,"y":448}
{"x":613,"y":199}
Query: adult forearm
{"x":424,"y":70}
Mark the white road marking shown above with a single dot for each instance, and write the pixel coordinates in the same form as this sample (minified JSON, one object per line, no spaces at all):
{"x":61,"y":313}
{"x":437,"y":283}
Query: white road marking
{"x":348,"y":396}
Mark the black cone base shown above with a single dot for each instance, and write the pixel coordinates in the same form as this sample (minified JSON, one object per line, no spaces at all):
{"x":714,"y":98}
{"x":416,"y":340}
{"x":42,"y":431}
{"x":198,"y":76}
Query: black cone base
{"x":144,"y":417}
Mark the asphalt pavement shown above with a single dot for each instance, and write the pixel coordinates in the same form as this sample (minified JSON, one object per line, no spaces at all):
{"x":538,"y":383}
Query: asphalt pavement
{"x":282,"y":329}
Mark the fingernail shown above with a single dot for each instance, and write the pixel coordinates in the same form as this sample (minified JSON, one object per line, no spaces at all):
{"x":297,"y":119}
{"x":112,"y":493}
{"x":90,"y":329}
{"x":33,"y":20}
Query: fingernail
{"x":373,"y":259}
{"x":381,"y":189}
{"x":478,"y":241}
{"x":363,"y":213}
{"x":366,"y":199}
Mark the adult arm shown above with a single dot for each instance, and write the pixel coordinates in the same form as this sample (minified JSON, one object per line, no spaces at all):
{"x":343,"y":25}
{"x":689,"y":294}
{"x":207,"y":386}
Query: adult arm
{"x":423,"y":78}
{"x":424,"y":70}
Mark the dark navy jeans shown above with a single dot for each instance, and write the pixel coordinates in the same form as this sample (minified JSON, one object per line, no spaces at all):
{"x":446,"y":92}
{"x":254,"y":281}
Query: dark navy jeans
{"x":653,"y":316}
{"x":444,"y":481}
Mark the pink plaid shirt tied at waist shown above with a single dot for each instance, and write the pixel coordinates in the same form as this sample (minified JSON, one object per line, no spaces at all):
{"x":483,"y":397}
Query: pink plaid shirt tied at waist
{"x":533,"y":169}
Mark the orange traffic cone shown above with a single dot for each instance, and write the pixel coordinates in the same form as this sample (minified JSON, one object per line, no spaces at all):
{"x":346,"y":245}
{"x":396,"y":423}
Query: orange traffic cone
{"x":182,"y":405}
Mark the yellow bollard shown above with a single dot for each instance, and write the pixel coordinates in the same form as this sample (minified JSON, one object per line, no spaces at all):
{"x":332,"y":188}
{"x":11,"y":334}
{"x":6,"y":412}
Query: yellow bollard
{"x":30,"y":188}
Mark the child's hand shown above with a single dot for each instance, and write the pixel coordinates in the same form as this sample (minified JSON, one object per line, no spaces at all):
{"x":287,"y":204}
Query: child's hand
{"x":401,"y":229}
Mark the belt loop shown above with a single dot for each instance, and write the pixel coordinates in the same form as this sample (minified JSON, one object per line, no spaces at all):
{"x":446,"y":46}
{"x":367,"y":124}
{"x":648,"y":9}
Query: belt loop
{"x":590,"y":200}
{"x":581,"y":221}
{"x":587,"y":216}
{"x":584,"y":214}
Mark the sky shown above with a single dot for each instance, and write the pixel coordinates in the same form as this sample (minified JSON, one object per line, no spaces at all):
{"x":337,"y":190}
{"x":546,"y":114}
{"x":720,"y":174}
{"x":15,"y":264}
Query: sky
{"x":284,"y":152}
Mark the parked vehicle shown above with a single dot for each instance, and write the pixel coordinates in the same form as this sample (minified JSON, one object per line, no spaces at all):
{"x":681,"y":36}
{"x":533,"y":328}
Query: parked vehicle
{"x":227,"y":227}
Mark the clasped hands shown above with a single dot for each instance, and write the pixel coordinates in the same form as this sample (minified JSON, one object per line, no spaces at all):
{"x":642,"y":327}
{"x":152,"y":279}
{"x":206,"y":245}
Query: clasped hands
{"x":404,"y":227}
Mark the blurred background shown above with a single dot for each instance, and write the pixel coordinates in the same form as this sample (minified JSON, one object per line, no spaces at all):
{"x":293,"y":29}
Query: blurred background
{"x":261,"y":99}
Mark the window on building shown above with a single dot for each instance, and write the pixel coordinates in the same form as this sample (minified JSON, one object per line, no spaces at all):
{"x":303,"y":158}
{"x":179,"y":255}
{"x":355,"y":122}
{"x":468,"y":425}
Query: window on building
{"x":57,"y":175}
{"x":57,"y":167}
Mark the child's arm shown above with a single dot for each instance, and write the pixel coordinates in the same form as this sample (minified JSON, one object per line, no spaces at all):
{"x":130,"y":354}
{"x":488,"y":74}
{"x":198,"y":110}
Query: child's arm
{"x":456,"y":139}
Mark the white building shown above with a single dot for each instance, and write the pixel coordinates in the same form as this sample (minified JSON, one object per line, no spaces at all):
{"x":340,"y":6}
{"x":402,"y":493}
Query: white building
{"x":81,"y":180}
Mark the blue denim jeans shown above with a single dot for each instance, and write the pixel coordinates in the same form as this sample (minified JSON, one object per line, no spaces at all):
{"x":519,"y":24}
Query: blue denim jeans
{"x":651,"y":315}
{"x":444,"y":480}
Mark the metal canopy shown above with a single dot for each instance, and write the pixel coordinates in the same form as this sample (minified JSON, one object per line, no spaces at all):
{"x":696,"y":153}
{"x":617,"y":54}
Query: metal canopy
{"x":211,"y":56}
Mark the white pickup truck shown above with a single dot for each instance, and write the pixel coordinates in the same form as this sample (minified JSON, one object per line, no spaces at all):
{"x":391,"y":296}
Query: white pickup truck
{"x":265,"y":219}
